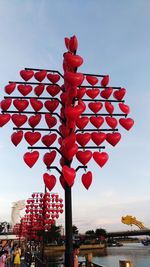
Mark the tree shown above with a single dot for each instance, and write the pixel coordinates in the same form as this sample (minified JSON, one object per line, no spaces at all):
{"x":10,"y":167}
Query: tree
{"x":100,"y":233}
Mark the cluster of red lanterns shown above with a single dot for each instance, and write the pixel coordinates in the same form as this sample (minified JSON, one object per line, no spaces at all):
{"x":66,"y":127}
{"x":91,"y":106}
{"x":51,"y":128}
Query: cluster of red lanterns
{"x":42,"y":211}
{"x":102,"y":103}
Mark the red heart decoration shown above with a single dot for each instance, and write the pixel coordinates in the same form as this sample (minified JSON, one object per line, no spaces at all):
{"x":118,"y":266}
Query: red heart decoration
{"x":31,"y":158}
{"x":124,"y":108}
{"x":21,"y":105}
{"x":97,"y":121}
{"x":49,"y":158}
{"x":92,"y":93}
{"x":24,"y":89}
{"x":63,"y":97}
{"x":95,"y":106}
{"x":67,"y":40}
{"x":72,"y":113}
{"x":87,"y":179}
{"x":37,"y":105}
{"x":82,"y":122}
{"x":83,"y":139}
{"x":105,"y":81}
{"x":49,"y":180}
{"x":106,"y":93}
{"x":6,"y":103}
{"x":40,"y":75}
{"x":26,"y":74}
{"x":32,"y":137}
{"x":69,"y":141}
{"x":10,"y":88}
{"x":17,"y":137}
{"x":100,"y":158}
{"x":73,"y":44}
{"x":84,"y":156}
{"x":69,"y":154}
{"x":119,"y":94}
{"x":69,"y":175}
{"x":81,"y":92}
{"x":38,"y":90}
{"x":19,"y":119}
{"x":4,"y":118}
{"x":98,"y":138}
{"x":113,"y":138}
{"x":50,"y":120}
{"x":48,"y":140}
{"x":51,"y":105}
{"x":109,"y":107}
{"x":64,"y":130}
{"x":54,"y":78}
{"x":74,"y":79}
{"x":34,"y":120}
{"x":92,"y":80}
{"x":82,"y":105}
{"x":53,"y":90}
{"x":74,"y":61}
{"x":126,"y":123}
{"x":112,"y":122}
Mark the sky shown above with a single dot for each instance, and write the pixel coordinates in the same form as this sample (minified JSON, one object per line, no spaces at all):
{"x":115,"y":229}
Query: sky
{"x":113,"y":39}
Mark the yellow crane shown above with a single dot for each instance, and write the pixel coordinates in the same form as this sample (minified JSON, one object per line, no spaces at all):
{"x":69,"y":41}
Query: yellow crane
{"x":130,"y":220}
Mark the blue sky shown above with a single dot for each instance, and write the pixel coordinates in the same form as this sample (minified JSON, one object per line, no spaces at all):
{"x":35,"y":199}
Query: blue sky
{"x":113,"y":39}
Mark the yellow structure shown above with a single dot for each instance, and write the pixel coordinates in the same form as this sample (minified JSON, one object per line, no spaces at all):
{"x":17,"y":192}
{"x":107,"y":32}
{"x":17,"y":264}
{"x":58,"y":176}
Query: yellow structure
{"x":130,"y":220}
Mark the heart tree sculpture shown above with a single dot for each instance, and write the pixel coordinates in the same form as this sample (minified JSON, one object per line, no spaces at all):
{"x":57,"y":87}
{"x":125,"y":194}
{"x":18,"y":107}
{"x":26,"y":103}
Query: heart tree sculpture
{"x":80,"y":113}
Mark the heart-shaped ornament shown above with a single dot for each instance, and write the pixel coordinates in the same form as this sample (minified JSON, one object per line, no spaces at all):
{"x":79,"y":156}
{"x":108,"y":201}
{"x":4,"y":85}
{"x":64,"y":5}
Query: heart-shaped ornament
{"x":73,"y":44}
{"x":24,"y":89}
{"x":106,"y":93}
{"x":5,"y":104}
{"x":92,"y":93}
{"x":40,"y":75}
{"x":126,"y":123}
{"x":87,"y":179}
{"x":38,"y":90}
{"x":53,"y":90}
{"x":73,"y":61}
{"x":37,"y":105}
{"x":74,"y":79}
{"x":105,"y":81}
{"x":10,"y":88}
{"x":26,"y":74}
{"x":17,"y":137}
{"x":32,"y":137}
{"x":30,"y":158}
{"x":69,"y":175}
{"x":48,"y":140}
{"x":113,"y":138}
{"x":119,"y":94}
{"x":98,"y":138}
{"x":84,"y":156}
{"x":112,"y":122}
{"x":124,"y":108}
{"x":34,"y":120}
{"x":83,"y":139}
{"x":92,"y":80}
{"x":95,"y":106}
{"x":82,"y":122}
{"x":69,"y":141}
{"x":81,"y":92}
{"x":54,"y":78}
{"x":97,"y":121}
{"x":109,"y":107}
{"x":101,"y":158}
{"x":49,"y":181}
{"x":19,"y":119}
{"x":51,"y":105}
{"x":50,"y":120}
{"x":20,"y":105}
{"x":49,"y":158}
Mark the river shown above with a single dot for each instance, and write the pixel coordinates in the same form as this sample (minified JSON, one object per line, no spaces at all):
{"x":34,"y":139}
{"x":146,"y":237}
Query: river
{"x":137,"y":253}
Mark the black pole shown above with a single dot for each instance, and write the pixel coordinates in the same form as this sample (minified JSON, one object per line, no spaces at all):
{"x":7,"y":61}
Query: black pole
{"x":68,"y":227}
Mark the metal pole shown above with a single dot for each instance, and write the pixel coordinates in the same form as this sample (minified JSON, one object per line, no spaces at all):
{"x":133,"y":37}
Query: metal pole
{"x":68,"y":227}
